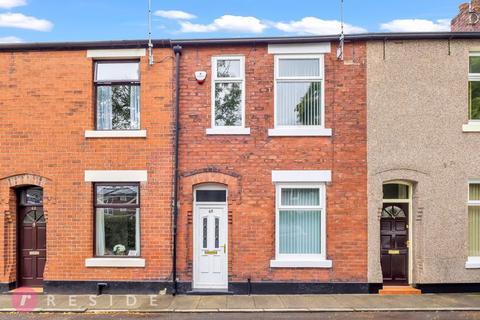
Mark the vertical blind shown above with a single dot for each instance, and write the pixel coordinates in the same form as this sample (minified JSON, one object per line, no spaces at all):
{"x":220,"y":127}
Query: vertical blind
{"x":474,"y":222}
{"x":474,"y":231}
{"x":300,"y":228}
{"x":299,"y":92}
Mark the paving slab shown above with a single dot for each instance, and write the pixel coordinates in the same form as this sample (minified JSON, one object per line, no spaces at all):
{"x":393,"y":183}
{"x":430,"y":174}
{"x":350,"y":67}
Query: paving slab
{"x":240,"y":302}
{"x":212,"y":302}
{"x":184,"y":303}
{"x":268,"y":302}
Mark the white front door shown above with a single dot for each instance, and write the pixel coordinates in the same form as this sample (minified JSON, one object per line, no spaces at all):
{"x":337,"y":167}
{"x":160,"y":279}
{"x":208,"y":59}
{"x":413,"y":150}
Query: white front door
{"x":210,"y":245}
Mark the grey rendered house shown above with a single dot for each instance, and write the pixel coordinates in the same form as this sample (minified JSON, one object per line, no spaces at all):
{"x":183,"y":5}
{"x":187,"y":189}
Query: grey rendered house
{"x":424,"y":160}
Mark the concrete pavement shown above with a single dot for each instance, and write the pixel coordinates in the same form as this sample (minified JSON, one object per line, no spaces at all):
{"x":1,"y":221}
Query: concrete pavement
{"x":243,"y":304}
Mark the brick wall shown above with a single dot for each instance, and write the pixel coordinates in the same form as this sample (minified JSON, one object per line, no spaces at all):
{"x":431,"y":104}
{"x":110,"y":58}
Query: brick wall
{"x":245,"y":163}
{"x":468,"y":18}
{"x":46,"y":107}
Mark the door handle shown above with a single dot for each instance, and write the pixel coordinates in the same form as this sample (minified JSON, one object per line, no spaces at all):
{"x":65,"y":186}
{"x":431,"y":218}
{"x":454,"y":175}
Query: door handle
{"x":224,"y":248}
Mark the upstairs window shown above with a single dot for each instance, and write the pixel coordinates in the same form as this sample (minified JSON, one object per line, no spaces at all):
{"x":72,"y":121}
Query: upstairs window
{"x":299,"y":91}
{"x":228,"y":92}
{"x":117,"y":89}
{"x":474,"y":87}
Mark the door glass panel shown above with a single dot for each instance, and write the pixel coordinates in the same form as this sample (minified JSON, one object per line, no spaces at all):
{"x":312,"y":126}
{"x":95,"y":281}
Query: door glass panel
{"x":393,"y":212}
{"x":205,"y":232}
{"x":29,"y":217}
{"x":217,"y":240}
{"x":395,"y":191}
{"x":32,"y":197}
{"x":211,"y":196}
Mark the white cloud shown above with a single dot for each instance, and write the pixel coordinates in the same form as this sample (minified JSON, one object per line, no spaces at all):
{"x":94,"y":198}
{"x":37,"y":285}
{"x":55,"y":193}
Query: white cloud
{"x":7,"y":4}
{"x":416,"y":25}
{"x":312,"y":25}
{"x":21,"y":21}
{"x":10,"y":39}
{"x":174,"y":14}
{"x":227,"y":23}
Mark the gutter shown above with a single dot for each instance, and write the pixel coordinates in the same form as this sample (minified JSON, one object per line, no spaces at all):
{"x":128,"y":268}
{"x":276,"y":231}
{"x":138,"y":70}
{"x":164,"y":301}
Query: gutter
{"x":178,"y":52}
{"x":164,"y":43}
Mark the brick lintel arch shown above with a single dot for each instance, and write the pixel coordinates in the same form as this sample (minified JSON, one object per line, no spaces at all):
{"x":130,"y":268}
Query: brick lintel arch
{"x":25,"y":179}
{"x":231,"y":180}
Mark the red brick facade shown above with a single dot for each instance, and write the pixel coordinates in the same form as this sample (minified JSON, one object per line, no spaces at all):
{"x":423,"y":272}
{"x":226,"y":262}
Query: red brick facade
{"x":46,"y":107}
{"x":468,"y":19}
{"x":245,"y":164}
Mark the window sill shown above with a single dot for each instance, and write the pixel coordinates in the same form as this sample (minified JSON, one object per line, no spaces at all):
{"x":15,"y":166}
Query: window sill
{"x":300,"y":263}
{"x":116,"y":134}
{"x":228,"y":131}
{"x":115,"y":262}
{"x":473,"y":263}
{"x":300,"y":132}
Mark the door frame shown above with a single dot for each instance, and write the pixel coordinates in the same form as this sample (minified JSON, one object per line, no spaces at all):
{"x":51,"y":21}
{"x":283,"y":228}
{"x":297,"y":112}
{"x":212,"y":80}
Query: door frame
{"x":409,"y":201}
{"x":196,"y":207}
{"x":18,"y":253}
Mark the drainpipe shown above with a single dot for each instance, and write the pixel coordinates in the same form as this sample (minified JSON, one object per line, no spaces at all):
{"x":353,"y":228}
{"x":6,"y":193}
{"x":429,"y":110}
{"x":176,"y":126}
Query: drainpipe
{"x":178,"y":51}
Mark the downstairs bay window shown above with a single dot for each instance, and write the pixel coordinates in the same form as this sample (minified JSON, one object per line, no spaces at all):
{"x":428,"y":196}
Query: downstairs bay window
{"x":300,"y":226}
{"x":117,"y":220}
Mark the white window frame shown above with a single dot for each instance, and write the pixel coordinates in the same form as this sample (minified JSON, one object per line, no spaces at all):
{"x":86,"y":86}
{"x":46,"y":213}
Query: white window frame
{"x":473,"y":262}
{"x":300,"y":130}
{"x":234,"y":130}
{"x":301,"y":260}
{"x":473,"y":124}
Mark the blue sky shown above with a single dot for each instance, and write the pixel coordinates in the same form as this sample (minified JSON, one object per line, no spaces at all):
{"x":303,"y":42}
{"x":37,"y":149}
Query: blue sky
{"x":75,"y":20}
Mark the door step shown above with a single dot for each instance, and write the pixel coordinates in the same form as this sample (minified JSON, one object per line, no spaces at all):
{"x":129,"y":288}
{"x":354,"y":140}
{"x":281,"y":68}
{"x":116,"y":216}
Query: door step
{"x":399,"y":290}
{"x":27,"y":290}
{"x":209,"y":292}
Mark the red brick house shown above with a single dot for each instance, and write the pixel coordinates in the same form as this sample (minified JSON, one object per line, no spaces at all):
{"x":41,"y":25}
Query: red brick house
{"x":272,"y":166}
{"x":85,"y":166}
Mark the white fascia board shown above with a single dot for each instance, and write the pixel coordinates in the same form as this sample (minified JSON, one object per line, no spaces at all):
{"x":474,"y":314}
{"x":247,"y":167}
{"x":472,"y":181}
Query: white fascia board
{"x":301,"y":176}
{"x":116,"y":53}
{"x":299,"y":48}
{"x":115,"y":175}
{"x":115,"y":262}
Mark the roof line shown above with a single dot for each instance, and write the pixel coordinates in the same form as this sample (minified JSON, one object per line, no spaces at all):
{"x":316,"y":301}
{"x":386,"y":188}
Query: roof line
{"x":164,"y":43}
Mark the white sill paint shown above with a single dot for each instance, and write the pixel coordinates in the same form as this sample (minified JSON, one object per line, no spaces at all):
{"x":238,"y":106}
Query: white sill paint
{"x":300,"y":263}
{"x":115,"y":262}
{"x":300,"y":132}
{"x":116,"y":134}
{"x":473,"y":263}
{"x":228,"y":131}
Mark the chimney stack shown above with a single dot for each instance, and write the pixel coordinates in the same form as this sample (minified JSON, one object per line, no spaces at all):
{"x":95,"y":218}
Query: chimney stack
{"x":468,"y":19}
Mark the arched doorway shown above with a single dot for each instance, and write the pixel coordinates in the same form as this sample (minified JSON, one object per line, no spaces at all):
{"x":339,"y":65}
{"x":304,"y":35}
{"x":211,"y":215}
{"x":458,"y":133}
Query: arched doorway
{"x":395,"y":232}
{"x":210,"y":237}
{"x":31,"y":237}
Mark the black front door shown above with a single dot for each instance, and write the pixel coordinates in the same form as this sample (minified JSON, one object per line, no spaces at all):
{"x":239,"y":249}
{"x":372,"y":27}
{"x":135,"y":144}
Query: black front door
{"x":394,"y":242}
{"x":32,"y":240}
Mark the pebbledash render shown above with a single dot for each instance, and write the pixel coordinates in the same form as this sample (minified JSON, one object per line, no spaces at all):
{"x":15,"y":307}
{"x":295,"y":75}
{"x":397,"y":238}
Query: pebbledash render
{"x":423,"y":130}
{"x":253,"y":165}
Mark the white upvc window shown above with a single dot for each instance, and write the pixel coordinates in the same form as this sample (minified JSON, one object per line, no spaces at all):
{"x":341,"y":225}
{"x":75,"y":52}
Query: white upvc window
{"x":473,"y":225}
{"x":299,"y":95}
{"x":300,"y":230}
{"x":228,"y":95}
{"x":473,"y":93}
